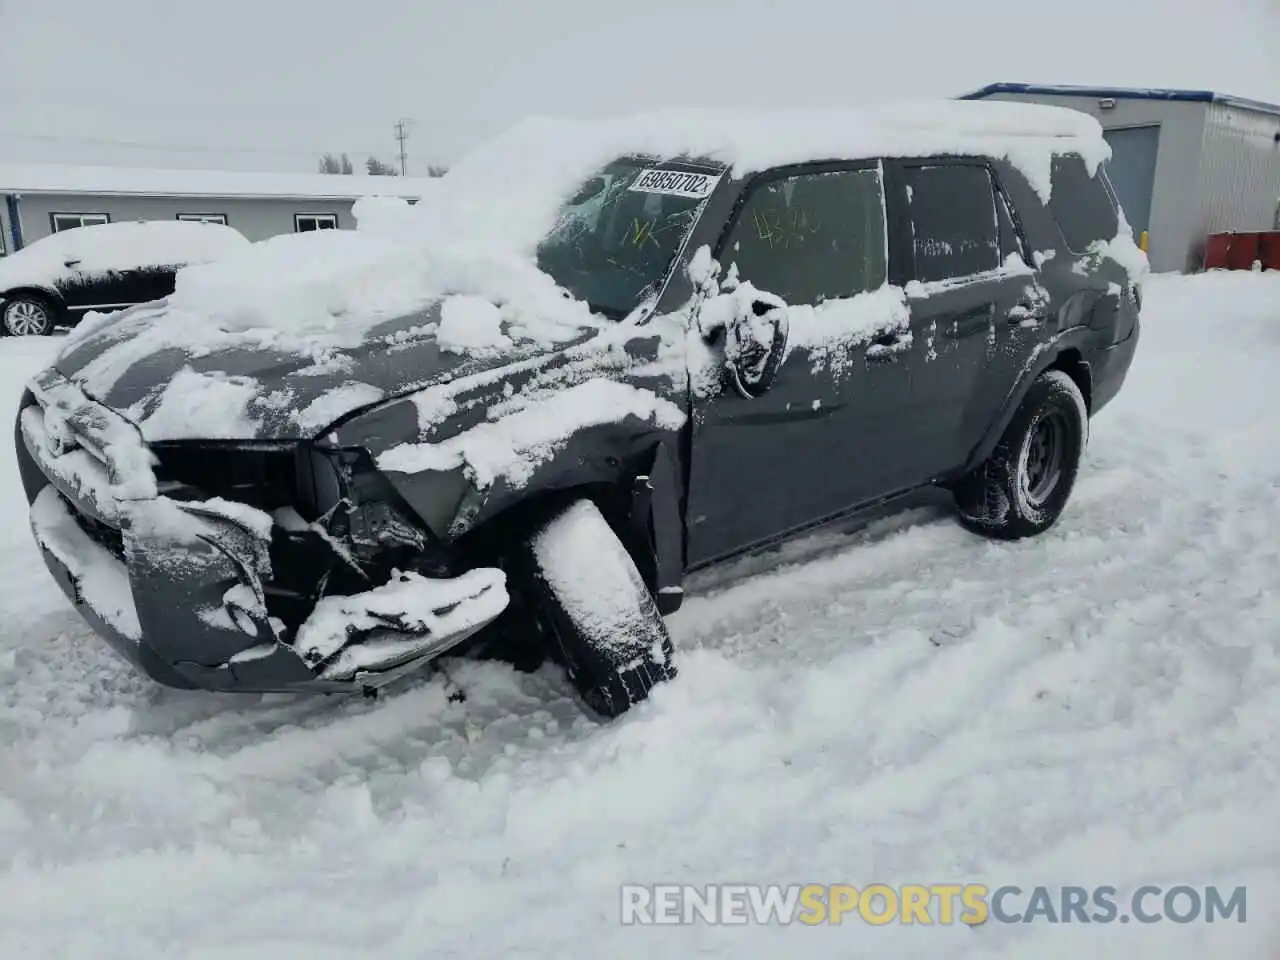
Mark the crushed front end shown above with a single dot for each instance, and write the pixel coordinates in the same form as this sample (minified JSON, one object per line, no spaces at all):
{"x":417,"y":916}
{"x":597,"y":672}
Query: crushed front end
{"x":239,"y":566}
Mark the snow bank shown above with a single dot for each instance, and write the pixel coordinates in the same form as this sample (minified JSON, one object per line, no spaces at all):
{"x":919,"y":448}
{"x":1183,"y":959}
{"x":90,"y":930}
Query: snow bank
{"x":118,"y":246}
{"x":907,"y":704}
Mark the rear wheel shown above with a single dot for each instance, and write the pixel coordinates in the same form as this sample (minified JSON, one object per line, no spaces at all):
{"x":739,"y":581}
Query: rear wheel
{"x":27,"y":315}
{"x":593,"y":605}
{"x":1023,"y":487}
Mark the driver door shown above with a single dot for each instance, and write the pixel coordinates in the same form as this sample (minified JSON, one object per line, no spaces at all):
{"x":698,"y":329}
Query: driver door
{"x":816,"y":439}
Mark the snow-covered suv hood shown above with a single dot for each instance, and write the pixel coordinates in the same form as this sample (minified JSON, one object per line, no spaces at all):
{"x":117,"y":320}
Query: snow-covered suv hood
{"x":304,"y":330}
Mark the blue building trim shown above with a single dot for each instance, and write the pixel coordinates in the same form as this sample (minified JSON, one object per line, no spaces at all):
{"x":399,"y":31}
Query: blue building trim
{"x":1124,"y":93}
{"x":15,"y":221}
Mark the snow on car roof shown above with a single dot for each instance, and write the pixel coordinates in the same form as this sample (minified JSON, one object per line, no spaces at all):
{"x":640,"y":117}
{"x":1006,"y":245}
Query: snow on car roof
{"x":118,"y":246}
{"x":507,"y":191}
{"x":1026,"y":134}
{"x":137,"y":181}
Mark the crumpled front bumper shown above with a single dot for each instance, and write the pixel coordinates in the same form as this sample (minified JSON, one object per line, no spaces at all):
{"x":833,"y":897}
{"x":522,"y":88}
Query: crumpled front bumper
{"x":179,"y":587}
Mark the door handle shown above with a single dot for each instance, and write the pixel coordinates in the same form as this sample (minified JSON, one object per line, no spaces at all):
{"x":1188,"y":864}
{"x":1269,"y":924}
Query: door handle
{"x":1027,"y":314}
{"x":970,"y":323}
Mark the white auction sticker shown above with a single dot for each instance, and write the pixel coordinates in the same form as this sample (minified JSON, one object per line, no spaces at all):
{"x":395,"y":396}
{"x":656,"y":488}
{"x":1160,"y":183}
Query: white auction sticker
{"x":676,"y":183}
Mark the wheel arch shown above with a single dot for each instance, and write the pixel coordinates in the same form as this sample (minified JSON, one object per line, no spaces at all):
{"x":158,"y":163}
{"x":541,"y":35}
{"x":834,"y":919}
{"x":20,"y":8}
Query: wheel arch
{"x":48,"y":294}
{"x":1062,"y":353}
{"x":641,"y":504}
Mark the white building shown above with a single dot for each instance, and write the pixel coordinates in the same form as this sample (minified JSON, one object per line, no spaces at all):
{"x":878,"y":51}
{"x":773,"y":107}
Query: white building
{"x":1185,"y":163}
{"x":37,"y":200}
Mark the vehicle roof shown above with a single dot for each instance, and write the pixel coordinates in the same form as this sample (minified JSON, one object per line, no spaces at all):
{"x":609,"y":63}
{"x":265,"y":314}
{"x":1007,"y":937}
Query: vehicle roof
{"x":752,"y":140}
{"x":518,"y":179}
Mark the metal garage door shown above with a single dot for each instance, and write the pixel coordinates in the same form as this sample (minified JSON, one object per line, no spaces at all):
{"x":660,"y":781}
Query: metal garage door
{"x":1132,"y":169}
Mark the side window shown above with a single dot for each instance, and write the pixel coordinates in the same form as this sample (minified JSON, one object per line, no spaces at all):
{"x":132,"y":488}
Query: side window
{"x":812,"y":237}
{"x":1081,"y":205}
{"x":953,"y":218}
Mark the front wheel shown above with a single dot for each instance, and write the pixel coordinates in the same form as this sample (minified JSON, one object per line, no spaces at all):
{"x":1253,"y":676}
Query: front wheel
{"x":1023,"y":487}
{"x":593,"y":603}
{"x":27,"y":315}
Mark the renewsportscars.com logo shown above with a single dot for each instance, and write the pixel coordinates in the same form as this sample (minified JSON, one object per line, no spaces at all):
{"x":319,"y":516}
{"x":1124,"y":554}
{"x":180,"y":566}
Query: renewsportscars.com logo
{"x":942,"y":904}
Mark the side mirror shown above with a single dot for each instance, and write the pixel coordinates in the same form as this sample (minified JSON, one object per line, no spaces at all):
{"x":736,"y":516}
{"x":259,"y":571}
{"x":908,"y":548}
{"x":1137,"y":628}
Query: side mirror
{"x":73,"y":262}
{"x":755,"y":344}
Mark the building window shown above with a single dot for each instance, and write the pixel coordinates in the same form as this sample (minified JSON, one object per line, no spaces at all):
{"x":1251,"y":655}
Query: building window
{"x":306,"y":222}
{"x":69,"y":221}
{"x":203,"y":218}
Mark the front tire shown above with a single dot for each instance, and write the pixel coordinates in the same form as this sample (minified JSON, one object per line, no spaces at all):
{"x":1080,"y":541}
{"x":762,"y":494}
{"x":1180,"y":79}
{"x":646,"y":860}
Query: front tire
{"x":27,"y":315}
{"x":1023,"y":487}
{"x":595,"y":607}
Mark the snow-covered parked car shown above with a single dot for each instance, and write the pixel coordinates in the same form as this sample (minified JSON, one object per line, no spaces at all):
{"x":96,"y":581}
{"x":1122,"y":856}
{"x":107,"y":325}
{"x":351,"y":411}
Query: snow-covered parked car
{"x":607,"y":354}
{"x":105,"y":267}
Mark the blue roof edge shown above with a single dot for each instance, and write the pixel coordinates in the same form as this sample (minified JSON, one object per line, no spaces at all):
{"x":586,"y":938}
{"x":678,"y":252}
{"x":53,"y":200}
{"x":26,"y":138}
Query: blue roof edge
{"x":1124,"y":93}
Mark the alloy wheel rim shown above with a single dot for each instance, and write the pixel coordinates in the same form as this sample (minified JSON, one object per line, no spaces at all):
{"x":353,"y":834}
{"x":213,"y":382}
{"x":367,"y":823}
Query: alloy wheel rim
{"x":25,"y":318}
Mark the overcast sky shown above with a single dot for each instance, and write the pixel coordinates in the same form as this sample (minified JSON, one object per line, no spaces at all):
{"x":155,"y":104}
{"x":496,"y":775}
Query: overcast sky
{"x":272,"y":84}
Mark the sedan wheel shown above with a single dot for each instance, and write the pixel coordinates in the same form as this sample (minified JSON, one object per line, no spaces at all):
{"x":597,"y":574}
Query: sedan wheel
{"x":27,"y":317}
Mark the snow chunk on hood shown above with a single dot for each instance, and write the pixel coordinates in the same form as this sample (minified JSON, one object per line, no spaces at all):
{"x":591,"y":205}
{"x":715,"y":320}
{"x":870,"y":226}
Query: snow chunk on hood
{"x":212,"y":405}
{"x":512,"y":447}
{"x":330,"y":287}
{"x":306,"y":283}
{"x":470,"y":323}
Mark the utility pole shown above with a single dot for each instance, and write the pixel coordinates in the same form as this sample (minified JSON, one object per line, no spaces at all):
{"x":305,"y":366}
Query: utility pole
{"x":401,"y":136}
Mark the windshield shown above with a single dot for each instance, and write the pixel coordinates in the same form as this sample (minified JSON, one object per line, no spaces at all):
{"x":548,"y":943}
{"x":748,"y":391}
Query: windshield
{"x":616,"y":238}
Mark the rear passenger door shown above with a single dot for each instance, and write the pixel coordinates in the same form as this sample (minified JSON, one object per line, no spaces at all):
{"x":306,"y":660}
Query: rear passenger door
{"x":962,"y":290}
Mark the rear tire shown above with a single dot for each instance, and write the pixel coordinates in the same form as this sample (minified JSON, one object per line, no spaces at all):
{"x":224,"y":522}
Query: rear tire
{"x":1023,"y":487}
{"x":28,"y":315}
{"x":593,"y":605}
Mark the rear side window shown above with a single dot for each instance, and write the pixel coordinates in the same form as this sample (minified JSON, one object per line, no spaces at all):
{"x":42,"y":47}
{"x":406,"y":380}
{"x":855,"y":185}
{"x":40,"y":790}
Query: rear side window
{"x":955,"y":232}
{"x":812,"y":237}
{"x":1081,"y":205}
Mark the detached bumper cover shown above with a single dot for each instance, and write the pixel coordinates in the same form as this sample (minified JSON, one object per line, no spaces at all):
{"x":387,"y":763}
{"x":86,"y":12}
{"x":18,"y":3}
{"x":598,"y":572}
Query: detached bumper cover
{"x":178,"y":587}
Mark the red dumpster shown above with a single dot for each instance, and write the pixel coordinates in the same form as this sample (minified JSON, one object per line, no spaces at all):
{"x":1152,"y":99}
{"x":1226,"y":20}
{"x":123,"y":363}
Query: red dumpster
{"x":1215,"y":251}
{"x":1269,"y":250}
{"x":1240,"y":251}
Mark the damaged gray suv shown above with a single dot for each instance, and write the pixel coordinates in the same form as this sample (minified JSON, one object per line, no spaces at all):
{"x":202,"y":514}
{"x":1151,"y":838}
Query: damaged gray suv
{"x":711,"y":343}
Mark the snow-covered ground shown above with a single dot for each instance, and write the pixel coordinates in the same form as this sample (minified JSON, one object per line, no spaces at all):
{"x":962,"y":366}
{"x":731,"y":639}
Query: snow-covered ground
{"x":910,"y":704}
